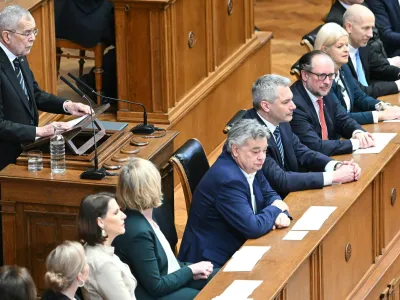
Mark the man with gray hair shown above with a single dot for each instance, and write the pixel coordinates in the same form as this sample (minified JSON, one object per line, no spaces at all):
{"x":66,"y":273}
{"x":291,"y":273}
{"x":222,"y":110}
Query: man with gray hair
{"x":286,"y":157}
{"x":376,"y":77}
{"x":233,"y":202}
{"x":20,"y":95}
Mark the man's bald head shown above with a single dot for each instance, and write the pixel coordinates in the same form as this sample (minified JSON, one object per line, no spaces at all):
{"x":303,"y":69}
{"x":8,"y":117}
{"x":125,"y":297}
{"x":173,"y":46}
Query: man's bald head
{"x":358,"y":21}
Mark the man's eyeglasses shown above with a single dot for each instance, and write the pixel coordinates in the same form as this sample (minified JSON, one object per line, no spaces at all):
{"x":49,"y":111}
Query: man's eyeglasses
{"x":323,"y":76}
{"x":26,"y":34}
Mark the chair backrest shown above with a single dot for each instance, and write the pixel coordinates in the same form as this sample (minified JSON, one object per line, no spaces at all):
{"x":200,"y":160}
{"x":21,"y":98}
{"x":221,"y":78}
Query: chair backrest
{"x":237,"y":117}
{"x":309,"y":38}
{"x":295,"y":70}
{"x":191,"y":163}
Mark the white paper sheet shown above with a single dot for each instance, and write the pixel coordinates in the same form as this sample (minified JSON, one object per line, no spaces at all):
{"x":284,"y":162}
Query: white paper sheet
{"x":245,"y":258}
{"x":239,"y":290}
{"x":381,"y":140}
{"x":314,"y":217}
{"x":392,"y":121}
{"x":295,"y":235}
{"x":76,"y":121}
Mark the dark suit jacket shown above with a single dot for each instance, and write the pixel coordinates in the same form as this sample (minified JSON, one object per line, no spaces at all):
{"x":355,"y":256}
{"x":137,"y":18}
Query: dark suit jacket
{"x":140,"y":248}
{"x":86,"y":22}
{"x":379,"y":73}
{"x":221,"y":217}
{"x":361,"y":105}
{"x":51,"y":295}
{"x":336,"y":13}
{"x":288,"y":177}
{"x":18,"y":116}
{"x":387,"y":14}
{"x":305,"y":123}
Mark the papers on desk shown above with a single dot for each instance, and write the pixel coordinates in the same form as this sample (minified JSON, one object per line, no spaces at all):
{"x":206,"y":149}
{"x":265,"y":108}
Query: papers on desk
{"x":392,"y":121}
{"x":295,"y":235}
{"x":239,"y":290}
{"x":381,"y":140}
{"x":245,"y":258}
{"x":76,"y":121}
{"x":314,"y":217}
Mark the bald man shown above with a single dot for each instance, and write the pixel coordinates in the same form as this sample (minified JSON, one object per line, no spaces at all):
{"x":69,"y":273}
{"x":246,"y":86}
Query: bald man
{"x":375,"y":75}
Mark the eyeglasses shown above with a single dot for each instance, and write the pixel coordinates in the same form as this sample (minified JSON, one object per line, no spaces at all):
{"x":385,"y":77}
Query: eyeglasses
{"x":26,"y":34}
{"x":323,"y":76}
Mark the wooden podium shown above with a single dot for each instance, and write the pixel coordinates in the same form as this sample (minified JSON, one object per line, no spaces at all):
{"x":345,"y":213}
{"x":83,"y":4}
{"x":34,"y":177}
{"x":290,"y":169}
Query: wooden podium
{"x":42,"y":59}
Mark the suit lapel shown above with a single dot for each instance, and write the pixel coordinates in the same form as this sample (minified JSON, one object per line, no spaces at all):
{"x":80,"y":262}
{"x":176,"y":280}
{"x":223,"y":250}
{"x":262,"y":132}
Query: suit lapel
{"x":364,"y":60}
{"x":26,"y":72}
{"x":346,"y":86}
{"x":310,"y":106}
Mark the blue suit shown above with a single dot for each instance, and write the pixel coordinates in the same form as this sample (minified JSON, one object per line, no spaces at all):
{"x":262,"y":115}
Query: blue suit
{"x":298,"y":157}
{"x":387,"y":14}
{"x":221,"y":216}
{"x":305,"y":123}
{"x":361,"y":105}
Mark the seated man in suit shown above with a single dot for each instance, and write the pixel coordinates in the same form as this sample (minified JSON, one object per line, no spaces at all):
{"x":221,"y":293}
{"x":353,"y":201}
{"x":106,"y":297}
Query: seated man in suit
{"x":375,"y":43}
{"x":319,"y":120}
{"x":287,"y":156}
{"x":375,"y":75}
{"x":387,"y":14}
{"x":333,"y":40}
{"x":233,"y":202}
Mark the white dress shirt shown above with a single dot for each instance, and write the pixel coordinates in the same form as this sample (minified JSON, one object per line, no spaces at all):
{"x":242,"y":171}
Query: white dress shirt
{"x":250,"y":180}
{"x":346,"y":6}
{"x":327,"y":175}
{"x":354,"y":142}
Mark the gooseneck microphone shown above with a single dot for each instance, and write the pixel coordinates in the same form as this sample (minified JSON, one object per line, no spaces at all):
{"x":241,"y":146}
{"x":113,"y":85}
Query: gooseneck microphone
{"x":138,"y":129}
{"x":91,"y":173}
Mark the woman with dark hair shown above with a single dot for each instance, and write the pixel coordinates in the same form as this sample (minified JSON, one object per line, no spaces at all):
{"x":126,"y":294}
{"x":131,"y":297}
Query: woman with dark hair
{"x":67,"y":270}
{"x":100,"y":221}
{"x":16,"y":284}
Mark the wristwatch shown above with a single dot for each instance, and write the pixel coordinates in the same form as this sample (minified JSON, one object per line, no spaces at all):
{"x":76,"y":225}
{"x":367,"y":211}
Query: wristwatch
{"x":337,"y":165}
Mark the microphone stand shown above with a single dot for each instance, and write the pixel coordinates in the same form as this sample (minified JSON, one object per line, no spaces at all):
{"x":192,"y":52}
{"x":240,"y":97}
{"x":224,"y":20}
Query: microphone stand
{"x":138,"y":129}
{"x":91,"y":173}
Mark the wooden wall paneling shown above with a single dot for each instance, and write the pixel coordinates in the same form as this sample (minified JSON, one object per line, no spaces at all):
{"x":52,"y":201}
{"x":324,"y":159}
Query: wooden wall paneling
{"x":283,"y":295}
{"x":9,"y":230}
{"x":299,"y":286}
{"x":377,"y":213}
{"x":341,"y":274}
{"x":211,"y":55}
{"x":316,"y":274}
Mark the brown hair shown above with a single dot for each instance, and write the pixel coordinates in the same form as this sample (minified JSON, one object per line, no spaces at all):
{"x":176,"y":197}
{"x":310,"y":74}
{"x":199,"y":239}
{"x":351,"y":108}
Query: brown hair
{"x":93,"y":207}
{"x":63,"y":265}
{"x":16,"y":284}
{"x":139,"y":185}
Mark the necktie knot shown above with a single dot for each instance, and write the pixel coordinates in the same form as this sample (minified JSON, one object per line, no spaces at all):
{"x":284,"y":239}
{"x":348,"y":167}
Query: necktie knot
{"x":16,"y":65}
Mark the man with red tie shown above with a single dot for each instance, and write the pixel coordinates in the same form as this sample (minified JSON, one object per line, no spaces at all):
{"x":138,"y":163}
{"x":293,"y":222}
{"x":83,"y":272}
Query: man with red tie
{"x":319,"y":120}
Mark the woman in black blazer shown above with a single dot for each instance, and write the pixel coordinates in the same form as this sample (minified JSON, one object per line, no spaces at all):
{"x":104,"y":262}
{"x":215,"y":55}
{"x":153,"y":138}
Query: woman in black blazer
{"x":144,"y":247}
{"x":67,"y":270}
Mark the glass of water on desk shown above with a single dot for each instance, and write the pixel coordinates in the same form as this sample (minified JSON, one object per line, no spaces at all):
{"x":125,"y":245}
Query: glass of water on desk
{"x":35,"y":161}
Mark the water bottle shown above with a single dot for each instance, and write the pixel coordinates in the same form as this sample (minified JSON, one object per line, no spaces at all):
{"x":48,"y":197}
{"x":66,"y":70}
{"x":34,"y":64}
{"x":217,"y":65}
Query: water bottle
{"x":57,"y":153}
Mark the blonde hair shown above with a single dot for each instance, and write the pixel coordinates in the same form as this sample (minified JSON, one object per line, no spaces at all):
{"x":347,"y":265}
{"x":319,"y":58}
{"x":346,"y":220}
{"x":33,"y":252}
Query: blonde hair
{"x":328,"y":35}
{"x":64,"y":264}
{"x":139,"y":185}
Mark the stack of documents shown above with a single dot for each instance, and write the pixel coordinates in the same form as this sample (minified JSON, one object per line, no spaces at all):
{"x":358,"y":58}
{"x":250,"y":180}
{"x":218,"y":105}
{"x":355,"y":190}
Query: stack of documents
{"x":239,"y":290}
{"x":245,"y":258}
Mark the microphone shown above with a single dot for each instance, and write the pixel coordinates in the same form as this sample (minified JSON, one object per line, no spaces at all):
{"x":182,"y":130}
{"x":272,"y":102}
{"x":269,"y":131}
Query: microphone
{"x":91,"y":173}
{"x":138,"y":129}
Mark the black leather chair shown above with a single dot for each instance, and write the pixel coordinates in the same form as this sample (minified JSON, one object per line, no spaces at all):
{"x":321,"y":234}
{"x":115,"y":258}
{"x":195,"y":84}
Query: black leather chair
{"x":309,"y":39}
{"x":237,"y":117}
{"x":295,"y":70}
{"x":191,"y":162}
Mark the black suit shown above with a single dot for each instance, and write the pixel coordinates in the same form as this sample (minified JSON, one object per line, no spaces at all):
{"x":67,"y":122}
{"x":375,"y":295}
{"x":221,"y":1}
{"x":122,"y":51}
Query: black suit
{"x":336,"y":13}
{"x":86,"y":22}
{"x":286,"y":178}
{"x":305,"y":123}
{"x":376,"y":68}
{"x":18,"y":115}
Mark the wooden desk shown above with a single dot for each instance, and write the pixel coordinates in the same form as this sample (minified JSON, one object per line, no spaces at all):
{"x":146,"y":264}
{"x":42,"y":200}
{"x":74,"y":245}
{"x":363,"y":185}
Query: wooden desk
{"x":39,"y":209}
{"x":366,"y":221}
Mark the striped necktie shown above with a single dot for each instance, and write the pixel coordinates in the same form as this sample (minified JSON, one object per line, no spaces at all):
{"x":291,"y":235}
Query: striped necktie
{"x":321,"y":114}
{"x":277,"y":135}
{"x":360,"y":70}
{"x":20,"y":77}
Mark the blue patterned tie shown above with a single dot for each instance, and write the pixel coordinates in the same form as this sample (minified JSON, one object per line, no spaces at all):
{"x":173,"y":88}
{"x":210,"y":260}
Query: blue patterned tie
{"x":278,"y":140}
{"x":20,"y":77}
{"x":360,"y":70}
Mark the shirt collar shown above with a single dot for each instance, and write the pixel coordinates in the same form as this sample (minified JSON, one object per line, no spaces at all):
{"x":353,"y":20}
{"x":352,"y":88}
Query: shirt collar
{"x":352,"y":51}
{"x":249,"y":177}
{"x":10,"y":55}
{"x":270,"y":126}
{"x":312,"y":97}
{"x":346,"y":6}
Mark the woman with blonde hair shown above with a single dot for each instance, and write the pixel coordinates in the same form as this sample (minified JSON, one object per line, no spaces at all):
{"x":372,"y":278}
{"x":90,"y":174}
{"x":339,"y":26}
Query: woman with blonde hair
{"x":334,"y":40}
{"x":16,"y":284}
{"x":100,"y":221}
{"x":144,"y":247}
{"x":67,"y":270}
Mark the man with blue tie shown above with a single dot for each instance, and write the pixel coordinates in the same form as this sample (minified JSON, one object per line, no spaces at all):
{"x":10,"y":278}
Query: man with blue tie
{"x":233,"y":201}
{"x":291,"y":166}
{"x":375,"y":75}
